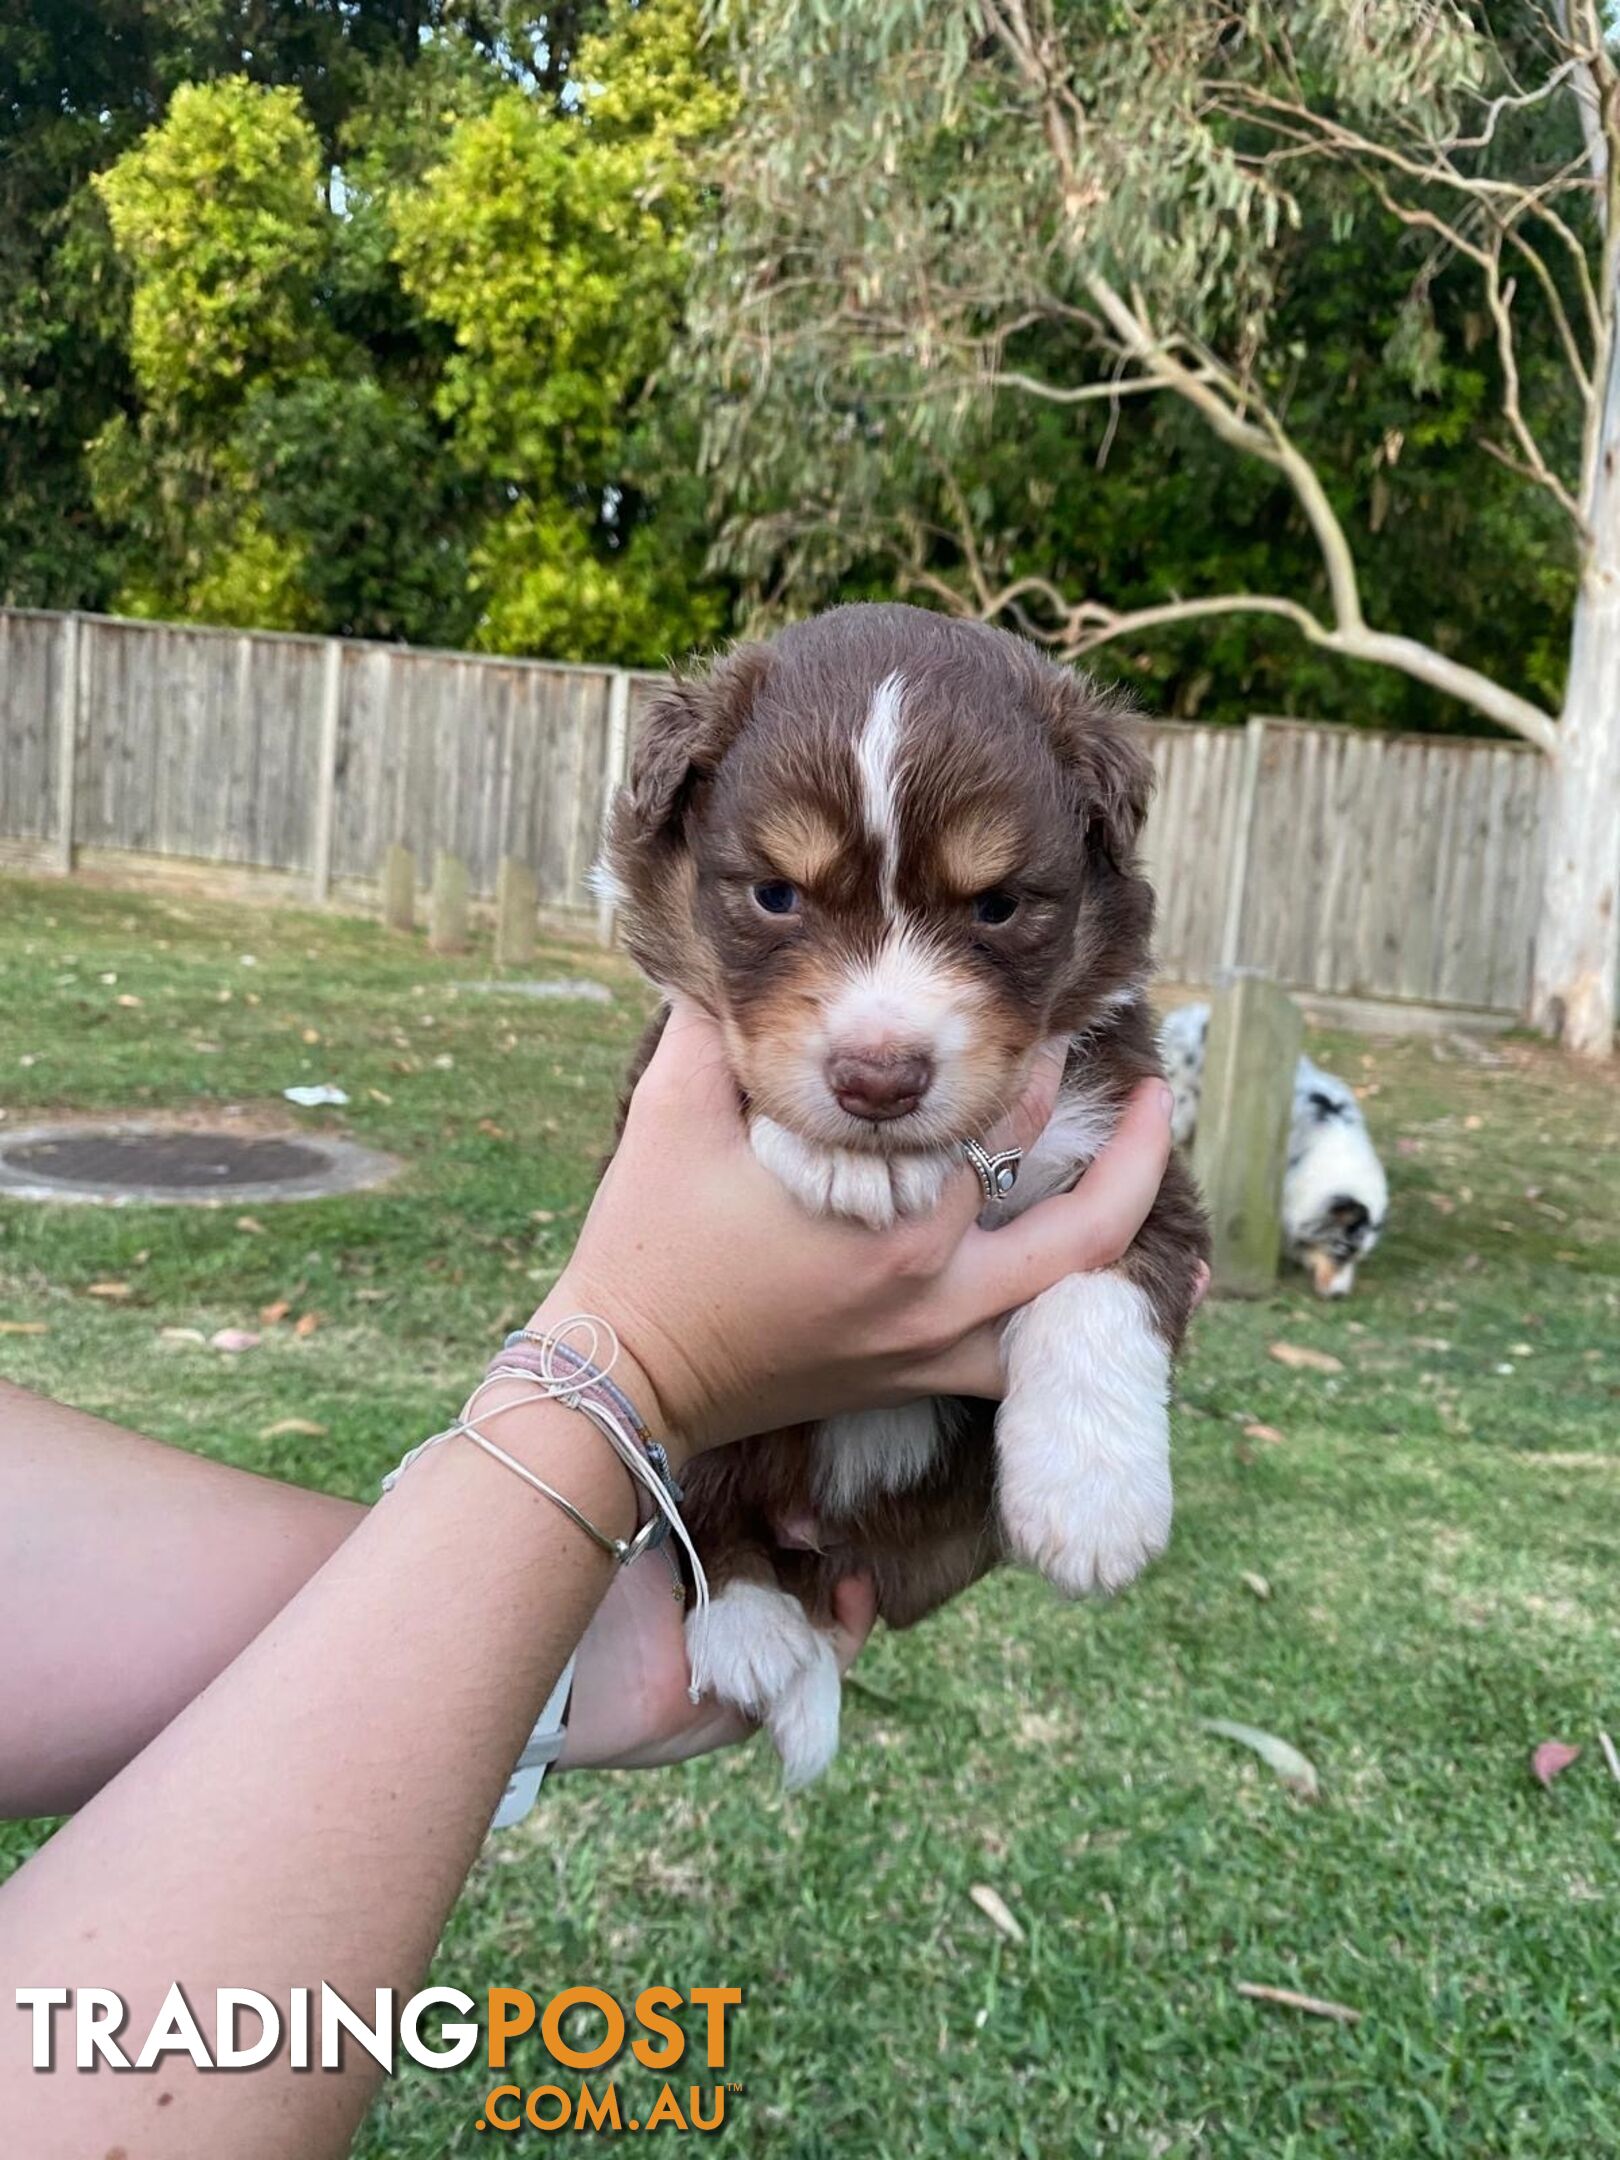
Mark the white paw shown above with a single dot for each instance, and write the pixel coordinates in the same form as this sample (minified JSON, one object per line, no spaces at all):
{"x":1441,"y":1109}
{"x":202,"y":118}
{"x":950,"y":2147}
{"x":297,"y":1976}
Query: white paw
{"x":755,"y":1648}
{"x":803,"y":1720}
{"x":1083,"y":1437}
{"x":877,"y":1190}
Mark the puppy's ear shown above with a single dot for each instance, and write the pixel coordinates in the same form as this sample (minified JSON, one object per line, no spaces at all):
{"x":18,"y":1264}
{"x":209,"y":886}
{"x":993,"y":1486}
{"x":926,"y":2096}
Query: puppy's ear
{"x":1099,"y":739}
{"x":683,"y":737}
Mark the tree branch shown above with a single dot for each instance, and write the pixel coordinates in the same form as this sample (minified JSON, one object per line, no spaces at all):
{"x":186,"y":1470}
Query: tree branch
{"x":1096,"y":626}
{"x":1268,"y":441}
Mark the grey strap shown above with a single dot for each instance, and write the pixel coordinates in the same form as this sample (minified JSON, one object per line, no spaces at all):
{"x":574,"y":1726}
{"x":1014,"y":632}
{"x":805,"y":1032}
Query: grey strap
{"x":544,"y":1745}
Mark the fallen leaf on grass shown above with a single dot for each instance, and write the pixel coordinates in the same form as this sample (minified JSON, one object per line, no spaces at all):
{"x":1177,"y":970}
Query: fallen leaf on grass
{"x":271,"y":1314}
{"x":126,"y":997}
{"x":251,"y":1224}
{"x":1287,"y":1999}
{"x":301,"y":1425}
{"x":1300,"y":1357}
{"x":1295,"y":1770}
{"x":233,"y":1339}
{"x":181,"y":1335}
{"x":1257,"y":1583}
{"x":307,"y":1323}
{"x":1551,"y":1759}
{"x":1268,"y":1433}
{"x":23,"y":1327}
{"x":996,"y":1910}
{"x":111,"y":1290}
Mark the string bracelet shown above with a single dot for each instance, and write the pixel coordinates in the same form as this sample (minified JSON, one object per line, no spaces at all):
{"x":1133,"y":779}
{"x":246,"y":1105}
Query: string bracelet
{"x":562,"y":1365}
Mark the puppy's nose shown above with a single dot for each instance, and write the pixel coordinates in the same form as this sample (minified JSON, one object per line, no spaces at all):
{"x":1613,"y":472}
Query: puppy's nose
{"x":879,"y":1085}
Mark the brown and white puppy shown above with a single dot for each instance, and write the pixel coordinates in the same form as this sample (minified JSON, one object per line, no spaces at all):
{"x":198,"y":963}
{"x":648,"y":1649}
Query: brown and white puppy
{"x":893,"y":854}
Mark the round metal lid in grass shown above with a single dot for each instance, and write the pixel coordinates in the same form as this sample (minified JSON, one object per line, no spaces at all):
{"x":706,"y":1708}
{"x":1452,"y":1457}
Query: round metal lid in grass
{"x":126,"y":1162}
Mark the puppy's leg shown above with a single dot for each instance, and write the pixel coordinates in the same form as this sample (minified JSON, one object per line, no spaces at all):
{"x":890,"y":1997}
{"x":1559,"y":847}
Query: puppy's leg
{"x":873,"y":1451}
{"x":1083,"y":1436}
{"x":756,"y":1649}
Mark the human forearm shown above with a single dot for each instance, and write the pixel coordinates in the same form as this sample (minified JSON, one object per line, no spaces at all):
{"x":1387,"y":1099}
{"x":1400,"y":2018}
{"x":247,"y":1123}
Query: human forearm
{"x":130,"y":1575}
{"x":311,"y":1816}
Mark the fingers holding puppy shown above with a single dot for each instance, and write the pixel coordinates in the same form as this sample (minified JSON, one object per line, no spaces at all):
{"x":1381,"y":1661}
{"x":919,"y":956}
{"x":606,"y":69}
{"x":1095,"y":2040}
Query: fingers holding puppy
{"x":993,"y":1272}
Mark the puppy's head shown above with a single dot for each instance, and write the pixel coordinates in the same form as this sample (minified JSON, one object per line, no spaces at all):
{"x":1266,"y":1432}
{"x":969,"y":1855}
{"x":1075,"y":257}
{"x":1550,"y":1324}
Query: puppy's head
{"x":891,"y":853}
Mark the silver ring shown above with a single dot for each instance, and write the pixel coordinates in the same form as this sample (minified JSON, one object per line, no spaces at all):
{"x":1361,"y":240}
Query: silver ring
{"x":997,"y":1174}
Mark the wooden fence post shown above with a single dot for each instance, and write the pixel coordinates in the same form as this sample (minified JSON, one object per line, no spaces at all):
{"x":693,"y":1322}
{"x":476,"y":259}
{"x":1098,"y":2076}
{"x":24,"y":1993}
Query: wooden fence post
{"x":67,"y":744}
{"x":447,"y":924}
{"x":1241,"y":1148}
{"x":615,"y":760}
{"x":320,"y":876}
{"x":1237,"y":873}
{"x":517,"y":901}
{"x":399,"y":889}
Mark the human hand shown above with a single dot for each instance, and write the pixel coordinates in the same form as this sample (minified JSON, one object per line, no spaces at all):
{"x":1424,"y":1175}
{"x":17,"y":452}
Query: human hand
{"x":738,"y":1312}
{"x":630,"y":1708}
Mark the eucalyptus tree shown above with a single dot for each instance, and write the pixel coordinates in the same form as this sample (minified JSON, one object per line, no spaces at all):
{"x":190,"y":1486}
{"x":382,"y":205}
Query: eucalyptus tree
{"x":934,"y":207}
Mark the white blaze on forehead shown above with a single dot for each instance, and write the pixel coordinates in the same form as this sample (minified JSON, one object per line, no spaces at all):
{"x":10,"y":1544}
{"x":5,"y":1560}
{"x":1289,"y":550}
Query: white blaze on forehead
{"x":875,"y":755}
{"x":904,"y":996}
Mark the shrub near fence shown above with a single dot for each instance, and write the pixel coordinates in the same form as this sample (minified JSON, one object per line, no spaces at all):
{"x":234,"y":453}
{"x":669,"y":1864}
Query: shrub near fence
{"x":1367,"y":866}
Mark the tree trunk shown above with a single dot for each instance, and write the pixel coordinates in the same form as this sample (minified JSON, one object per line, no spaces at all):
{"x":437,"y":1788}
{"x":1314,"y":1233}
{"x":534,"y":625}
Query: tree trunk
{"x":1577,"y":959}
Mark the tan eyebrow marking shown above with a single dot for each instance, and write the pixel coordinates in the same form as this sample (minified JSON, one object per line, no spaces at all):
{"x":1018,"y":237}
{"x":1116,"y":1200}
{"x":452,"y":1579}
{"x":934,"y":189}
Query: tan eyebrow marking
{"x":801,"y":842}
{"x":978,"y":851}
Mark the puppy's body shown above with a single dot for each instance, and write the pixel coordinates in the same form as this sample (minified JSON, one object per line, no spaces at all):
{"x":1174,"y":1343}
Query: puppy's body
{"x":894,"y":854}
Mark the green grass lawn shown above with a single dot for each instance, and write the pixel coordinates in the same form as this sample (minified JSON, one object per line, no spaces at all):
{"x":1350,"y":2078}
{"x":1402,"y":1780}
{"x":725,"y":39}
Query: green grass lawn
{"x":1436,"y":1523}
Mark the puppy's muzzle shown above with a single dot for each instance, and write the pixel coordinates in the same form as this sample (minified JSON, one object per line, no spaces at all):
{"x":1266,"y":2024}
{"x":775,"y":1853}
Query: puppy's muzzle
{"x":879,"y":1086}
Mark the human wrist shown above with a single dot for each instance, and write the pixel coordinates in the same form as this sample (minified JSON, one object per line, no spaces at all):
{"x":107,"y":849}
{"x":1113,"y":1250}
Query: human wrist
{"x":627,"y":1371}
{"x":546,"y":1440}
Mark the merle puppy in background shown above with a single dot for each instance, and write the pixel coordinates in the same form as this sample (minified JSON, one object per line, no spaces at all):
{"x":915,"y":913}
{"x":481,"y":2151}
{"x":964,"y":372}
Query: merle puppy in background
{"x":893,"y":854}
{"x":1335,"y":1196}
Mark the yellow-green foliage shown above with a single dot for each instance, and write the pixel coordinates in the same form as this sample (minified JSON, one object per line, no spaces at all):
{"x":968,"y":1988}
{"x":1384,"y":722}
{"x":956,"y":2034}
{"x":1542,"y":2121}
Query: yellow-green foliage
{"x":534,"y":252}
{"x":218,"y":215}
{"x":553,"y":247}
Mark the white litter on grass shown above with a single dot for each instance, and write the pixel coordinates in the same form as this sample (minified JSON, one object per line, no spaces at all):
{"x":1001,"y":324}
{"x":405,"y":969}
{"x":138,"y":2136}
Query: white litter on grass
{"x":315,"y":1098}
{"x":564,"y":986}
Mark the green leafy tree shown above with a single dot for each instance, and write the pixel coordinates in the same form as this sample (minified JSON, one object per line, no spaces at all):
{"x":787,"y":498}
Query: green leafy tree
{"x":400,"y":383}
{"x":219,"y":220}
{"x":1042,"y":203}
{"x":553,"y":249}
{"x":218,"y":216}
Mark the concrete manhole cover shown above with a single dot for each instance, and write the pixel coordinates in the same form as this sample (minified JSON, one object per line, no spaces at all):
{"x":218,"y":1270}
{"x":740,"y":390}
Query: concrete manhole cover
{"x":118,"y":1164}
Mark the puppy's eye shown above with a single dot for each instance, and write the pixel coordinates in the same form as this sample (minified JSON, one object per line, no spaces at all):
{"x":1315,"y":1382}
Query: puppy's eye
{"x":995,"y":907}
{"x":777,"y":897}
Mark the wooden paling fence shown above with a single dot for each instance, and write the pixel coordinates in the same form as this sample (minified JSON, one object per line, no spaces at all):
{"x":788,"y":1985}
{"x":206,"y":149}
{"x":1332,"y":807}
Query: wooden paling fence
{"x":1403,"y":868}
{"x":1359,"y":865}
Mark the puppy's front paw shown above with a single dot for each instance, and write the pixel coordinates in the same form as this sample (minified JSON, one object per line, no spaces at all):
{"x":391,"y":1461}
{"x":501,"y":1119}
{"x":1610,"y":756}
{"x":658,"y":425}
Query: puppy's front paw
{"x":1085,"y":1530}
{"x":755,"y":1648}
{"x":1083,"y":1437}
{"x":877,"y":1190}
